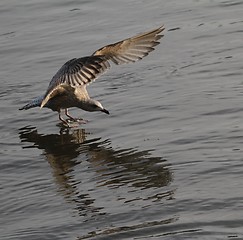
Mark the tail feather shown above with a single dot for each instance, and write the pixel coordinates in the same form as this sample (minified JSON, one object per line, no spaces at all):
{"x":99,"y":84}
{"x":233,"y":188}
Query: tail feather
{"x":34,"y":103}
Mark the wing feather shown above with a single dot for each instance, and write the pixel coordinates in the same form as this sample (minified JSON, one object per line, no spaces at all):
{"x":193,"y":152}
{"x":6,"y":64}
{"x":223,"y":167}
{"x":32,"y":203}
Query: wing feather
{"x":131,"y":49}
{"x":76,"y":72}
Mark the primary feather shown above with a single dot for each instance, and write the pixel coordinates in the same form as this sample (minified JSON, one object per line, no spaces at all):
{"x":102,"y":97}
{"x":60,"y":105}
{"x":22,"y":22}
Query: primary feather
{"x":131,"y":49}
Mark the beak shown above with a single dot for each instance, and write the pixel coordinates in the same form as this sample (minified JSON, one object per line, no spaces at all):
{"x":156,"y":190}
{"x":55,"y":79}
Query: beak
{"x":105,"y":111}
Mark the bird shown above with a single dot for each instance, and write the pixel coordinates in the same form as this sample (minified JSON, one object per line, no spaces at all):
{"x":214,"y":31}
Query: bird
{"x":68,"y":87}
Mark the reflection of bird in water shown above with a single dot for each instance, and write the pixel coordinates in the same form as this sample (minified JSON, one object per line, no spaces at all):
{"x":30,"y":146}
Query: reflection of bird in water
{"x":68,"y":86}
{"x":60,"y":151}
{"x":112,"y":168}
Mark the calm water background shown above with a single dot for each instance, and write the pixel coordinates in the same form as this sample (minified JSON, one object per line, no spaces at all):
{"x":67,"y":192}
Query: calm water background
{"x":166,"y":164}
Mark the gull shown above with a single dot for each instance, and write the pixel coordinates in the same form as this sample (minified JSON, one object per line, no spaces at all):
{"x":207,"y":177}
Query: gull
{"x":68,"y":86}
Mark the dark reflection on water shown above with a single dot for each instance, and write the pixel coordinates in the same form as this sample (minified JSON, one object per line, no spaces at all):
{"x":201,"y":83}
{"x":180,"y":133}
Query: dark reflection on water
{"x":127,"y":168}
{"x":60,"y":151}
{"x":118,"y":167}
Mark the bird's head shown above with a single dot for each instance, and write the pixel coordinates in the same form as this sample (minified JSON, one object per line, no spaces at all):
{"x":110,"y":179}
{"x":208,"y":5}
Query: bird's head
{"x":92,"y":105}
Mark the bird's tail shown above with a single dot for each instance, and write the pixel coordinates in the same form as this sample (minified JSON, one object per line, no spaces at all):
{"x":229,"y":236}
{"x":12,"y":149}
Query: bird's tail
{"x":34,"y":103}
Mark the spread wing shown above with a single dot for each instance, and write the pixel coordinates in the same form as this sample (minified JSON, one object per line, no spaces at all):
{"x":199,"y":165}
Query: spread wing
{"x":76,"y":72}
{"x":81,"y":71}
{"x":131,"y":49}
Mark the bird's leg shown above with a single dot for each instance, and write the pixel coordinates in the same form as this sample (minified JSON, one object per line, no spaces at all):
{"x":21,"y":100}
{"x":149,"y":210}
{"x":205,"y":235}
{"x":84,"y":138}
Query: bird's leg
{"x":79,"y":120}
{"x":69,"y":116}
{"x":61,"y":119}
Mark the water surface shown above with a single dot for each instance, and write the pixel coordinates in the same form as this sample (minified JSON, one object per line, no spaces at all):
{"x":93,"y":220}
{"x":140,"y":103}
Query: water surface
{"x":167,"y":162}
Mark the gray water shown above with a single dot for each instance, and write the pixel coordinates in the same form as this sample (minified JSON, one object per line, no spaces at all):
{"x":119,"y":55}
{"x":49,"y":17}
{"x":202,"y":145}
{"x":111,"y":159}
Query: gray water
{"x":166,"y":164}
